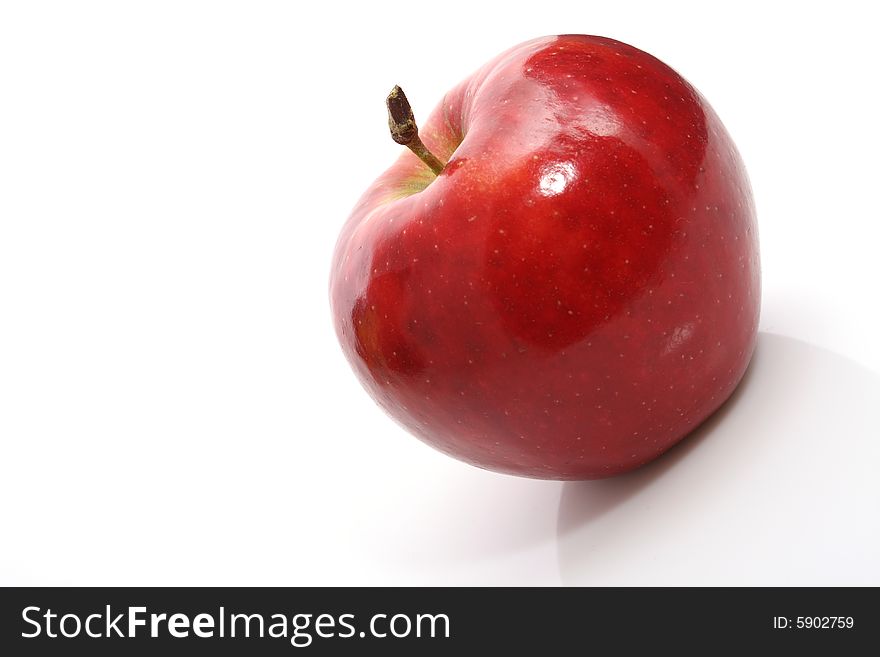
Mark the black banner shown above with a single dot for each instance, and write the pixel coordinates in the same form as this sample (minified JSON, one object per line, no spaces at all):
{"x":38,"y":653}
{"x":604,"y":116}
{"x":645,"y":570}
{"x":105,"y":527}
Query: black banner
{"x":278,"y":621}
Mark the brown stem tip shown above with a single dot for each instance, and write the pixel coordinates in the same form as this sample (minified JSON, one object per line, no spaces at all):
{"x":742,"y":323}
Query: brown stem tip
{"x":404,"y":130}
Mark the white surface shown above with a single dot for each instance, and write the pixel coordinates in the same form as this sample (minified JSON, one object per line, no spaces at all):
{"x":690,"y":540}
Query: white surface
{"x":174,"y":408}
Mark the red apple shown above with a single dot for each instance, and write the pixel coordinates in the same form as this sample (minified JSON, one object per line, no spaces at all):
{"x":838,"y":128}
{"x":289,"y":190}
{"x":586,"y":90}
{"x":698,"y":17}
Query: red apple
{"x":578,"y":288}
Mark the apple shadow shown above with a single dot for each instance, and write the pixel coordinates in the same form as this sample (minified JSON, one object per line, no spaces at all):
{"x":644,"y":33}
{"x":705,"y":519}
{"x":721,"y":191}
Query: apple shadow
{"x":777,"y":487}
{"x":472,"y":528}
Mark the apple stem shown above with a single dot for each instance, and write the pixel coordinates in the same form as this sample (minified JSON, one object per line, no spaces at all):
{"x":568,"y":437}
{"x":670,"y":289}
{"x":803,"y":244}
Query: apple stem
{"x":404,"y":130}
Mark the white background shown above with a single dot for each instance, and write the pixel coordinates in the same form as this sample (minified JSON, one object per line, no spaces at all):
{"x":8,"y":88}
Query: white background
{"x":174,"y":408}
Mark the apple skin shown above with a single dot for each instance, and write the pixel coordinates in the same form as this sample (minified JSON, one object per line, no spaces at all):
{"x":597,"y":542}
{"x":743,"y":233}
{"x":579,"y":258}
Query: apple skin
{"x":578,"y":289}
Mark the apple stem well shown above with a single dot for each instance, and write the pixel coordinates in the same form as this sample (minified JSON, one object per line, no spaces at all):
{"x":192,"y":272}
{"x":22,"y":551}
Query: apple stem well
{"x":404,"y":130}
